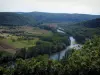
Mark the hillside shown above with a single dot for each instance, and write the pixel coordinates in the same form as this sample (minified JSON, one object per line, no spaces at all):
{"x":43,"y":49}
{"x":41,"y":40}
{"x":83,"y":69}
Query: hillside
{"x":60,"y":17}
{"x":36,"y":18}
{"x":10,"y":18}
{"x":82,"y":30}
{"x":94,"y":23}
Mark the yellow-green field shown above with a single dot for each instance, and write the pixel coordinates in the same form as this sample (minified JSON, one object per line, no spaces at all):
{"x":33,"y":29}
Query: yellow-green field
{"x":37,"y":31}
{"x":26,"y":30}
{"x":21,"y":43}
{"x":10,"y":42}
{"x":10,"y":45}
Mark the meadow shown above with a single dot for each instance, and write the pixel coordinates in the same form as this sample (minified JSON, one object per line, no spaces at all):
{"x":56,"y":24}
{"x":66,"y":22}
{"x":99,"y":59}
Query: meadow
{"x":17,"y":37}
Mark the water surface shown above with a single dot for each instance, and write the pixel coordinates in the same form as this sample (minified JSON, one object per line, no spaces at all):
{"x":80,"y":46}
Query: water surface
{"x":61,"y":54}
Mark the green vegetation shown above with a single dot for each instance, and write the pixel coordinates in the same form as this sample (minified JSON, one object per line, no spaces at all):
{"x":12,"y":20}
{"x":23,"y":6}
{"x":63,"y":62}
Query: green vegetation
{"x":23,"y":48}
{"x":43,"y":17}
{"x":33,"y":41}
{"x":85,"y":61}
{"x":16,"y":37}
{"x":21,"y":43}
{"x":83,"y":30}
{"x":11,"y":18}
{"x":80,"y":62}
{"x":5,"y":57}
{"x":36,"y":18}
{"x":46,"y":45}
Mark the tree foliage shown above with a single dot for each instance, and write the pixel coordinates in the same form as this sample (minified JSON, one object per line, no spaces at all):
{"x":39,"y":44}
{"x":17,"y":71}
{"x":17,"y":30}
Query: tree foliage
{"x":85,"y":61}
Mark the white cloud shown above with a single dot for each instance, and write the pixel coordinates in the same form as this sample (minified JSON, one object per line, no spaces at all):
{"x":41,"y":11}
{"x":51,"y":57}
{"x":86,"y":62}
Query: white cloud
{"x":60,"y":6}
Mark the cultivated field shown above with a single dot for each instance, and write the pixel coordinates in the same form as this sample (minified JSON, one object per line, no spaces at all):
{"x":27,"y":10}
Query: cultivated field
{"x":13,"y":38}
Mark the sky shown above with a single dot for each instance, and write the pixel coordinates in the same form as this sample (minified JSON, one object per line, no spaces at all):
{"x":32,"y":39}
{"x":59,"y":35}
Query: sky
{"x":53,"y":6}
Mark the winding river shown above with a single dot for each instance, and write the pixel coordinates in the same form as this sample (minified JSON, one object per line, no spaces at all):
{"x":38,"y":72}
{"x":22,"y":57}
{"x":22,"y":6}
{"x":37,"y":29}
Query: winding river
{"x":61,"y":54}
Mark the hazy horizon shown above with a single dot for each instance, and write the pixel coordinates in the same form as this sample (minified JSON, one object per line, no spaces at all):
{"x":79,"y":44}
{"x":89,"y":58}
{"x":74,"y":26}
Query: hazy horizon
{"x":52,"y":6}
{"x":46,"y":12}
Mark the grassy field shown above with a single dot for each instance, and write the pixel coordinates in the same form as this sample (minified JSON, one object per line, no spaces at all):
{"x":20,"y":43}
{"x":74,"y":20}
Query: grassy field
{"x":25,"y":30}
{"x":37,"y":31}
{"x":11,"y":46}
{"x":21,"y":43}
{"x":10,"y":41}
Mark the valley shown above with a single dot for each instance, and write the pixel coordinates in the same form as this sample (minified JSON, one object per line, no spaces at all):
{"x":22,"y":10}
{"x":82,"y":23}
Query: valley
{"x":20,"y":36}
{"x":39,"y":43}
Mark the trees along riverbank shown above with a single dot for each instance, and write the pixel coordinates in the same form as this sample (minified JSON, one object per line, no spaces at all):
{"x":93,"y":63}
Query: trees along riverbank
{"x":84,"y":61}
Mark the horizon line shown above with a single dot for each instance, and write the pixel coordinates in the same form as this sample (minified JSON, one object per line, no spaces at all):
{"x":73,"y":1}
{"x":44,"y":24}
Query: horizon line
{"x":48,"y":12}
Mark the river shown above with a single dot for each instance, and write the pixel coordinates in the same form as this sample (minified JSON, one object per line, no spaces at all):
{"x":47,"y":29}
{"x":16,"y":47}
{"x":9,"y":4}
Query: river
{"x":61,"y":54}
{"x":60,"y":30}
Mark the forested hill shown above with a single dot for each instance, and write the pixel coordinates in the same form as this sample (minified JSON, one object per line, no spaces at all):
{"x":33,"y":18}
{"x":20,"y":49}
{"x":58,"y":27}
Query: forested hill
{"x":82,"y":30}
{"x":61,"y":17}
{"x":94,"y":23}
{"x":35,"y":18}
{"x":10,"y":18}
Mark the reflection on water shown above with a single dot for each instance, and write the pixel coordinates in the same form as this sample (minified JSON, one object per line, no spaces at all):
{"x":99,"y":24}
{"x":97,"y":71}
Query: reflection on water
{"x":60,"y":31}
{"x":60,"y":55}
{"x":73,"y":44}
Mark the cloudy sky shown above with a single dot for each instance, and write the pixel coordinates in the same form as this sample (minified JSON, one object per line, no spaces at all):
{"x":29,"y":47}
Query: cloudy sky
{"x":56,"y":6}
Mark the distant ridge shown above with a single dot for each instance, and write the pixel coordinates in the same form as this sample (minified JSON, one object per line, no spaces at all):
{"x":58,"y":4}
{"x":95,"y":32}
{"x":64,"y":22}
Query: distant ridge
{"x":94,"y":23}
{"x":11,"y":18}
{"x":34,"y":18}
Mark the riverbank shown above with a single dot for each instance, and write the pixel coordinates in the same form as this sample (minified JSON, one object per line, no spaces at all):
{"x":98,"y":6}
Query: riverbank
{"x":61,"y":54}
